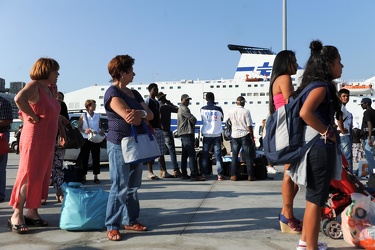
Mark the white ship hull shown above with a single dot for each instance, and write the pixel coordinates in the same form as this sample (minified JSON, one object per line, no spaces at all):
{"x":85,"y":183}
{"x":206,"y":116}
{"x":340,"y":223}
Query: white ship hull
{"x":255,"y":63}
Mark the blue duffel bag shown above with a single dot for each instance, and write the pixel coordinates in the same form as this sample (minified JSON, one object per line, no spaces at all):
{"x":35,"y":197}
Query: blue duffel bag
{"x":83,"y":208}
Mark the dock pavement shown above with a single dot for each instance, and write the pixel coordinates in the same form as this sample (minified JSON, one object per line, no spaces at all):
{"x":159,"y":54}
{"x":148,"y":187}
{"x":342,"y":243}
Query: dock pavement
{"x":179,"y":214}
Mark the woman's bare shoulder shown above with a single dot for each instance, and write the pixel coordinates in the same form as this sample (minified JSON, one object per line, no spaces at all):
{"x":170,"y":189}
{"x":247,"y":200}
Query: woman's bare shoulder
{"x":283,"y":79}
{"x":281,"y":83}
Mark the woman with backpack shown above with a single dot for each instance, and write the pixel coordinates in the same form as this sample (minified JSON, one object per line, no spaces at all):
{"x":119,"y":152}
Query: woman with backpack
{"x":281,"y":87}
{"x":319,"y":165}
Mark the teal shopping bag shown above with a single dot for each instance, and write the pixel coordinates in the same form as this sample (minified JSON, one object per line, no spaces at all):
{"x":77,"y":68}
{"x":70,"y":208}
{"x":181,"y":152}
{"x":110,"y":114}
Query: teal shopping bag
{"x":83,"y":208}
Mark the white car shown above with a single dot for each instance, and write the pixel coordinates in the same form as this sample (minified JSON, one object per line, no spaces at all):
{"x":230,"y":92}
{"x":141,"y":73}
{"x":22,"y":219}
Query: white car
{"x":72,"y":154}
{"x":13,"y":145}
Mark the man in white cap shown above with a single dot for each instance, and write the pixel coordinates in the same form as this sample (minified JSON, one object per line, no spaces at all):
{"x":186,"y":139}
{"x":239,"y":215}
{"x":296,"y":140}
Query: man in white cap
{"x":186,"y":130}
{"x":242,"y":137}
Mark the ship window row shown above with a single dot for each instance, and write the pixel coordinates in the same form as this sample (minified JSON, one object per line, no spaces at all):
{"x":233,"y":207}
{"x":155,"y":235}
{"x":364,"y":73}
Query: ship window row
{"x":162,"y":87}
{"x":227,"y":103}
{"x":213,"y":86}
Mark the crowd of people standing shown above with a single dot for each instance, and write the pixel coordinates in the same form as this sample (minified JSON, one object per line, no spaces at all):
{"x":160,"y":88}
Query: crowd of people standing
{"x":44,"y":117}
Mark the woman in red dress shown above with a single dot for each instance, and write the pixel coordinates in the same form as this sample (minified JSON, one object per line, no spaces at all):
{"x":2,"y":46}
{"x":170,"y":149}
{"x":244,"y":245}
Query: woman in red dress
{"x":40,"y":114}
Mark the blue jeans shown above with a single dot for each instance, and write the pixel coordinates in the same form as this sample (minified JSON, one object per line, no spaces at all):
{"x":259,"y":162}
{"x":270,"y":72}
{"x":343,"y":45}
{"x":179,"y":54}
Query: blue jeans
{"x":169,"y":142}
{"x":346,"y":149}
{"x":369,"y":154}
{"x":123,"y":203}
{"x":248,"y":149}
{"x":188,"y":151}
{"x":3,"y":166}
{"x":216,"y":142}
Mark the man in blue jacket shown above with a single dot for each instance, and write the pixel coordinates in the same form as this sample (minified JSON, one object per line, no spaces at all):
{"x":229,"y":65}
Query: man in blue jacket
{"x":212,"y":117}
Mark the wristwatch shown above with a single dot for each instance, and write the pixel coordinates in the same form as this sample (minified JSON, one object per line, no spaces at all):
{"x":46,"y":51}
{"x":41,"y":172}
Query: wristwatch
{"x":144,"y":114}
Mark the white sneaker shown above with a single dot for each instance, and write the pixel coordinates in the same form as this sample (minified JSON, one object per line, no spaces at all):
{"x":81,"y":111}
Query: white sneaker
{"x":272,"y":170}
{"x":366,"y":177}
{"x":321,"y":246}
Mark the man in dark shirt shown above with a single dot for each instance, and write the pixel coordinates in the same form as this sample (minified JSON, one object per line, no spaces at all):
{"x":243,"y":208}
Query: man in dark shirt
{"x":368,"y":131}
{"x":154,"y":106}
{"x":166,"y":109}
{"x":6,"y":119}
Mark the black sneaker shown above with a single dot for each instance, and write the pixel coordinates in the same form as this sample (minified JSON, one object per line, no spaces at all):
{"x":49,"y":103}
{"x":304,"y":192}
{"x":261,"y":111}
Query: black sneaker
{"x":197,"y":178}
{"x":185,"y":177}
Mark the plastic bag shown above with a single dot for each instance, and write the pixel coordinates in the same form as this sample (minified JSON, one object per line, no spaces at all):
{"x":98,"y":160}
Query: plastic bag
{"x":358,"y":221}
{"x":83,"y":208}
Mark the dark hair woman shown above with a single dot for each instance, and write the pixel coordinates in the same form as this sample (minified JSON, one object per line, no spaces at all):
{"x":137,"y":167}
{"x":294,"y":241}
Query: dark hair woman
{"x":319,"y":165}
{"x":284,"y":66}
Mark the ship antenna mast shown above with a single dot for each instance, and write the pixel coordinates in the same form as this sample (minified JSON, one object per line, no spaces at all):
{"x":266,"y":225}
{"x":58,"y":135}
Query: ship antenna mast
{"x":284,"y":25}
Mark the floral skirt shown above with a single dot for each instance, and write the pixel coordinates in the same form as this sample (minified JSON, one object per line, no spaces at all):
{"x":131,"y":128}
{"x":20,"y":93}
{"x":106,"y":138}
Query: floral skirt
{"x":57,"y":167}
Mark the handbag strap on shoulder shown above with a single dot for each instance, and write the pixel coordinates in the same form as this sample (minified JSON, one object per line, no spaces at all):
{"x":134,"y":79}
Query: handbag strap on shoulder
{"x":133,"y":131}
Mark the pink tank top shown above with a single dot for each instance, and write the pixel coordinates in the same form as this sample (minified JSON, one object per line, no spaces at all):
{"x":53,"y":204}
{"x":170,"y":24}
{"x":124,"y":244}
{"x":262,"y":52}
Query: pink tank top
{"x":278,"y":101}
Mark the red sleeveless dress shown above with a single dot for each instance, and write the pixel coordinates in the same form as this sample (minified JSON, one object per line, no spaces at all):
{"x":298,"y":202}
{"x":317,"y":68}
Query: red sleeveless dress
{"x":37,"y":144}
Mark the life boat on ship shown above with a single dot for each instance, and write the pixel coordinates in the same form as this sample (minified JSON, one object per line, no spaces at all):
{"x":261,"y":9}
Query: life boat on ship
{"x":253,"y":79}
{"x":359,"y":89}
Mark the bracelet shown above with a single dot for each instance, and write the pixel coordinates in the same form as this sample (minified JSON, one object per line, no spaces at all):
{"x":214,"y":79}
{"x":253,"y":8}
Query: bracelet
{"x":325,"y":133}
{"x":328,"y":134}
{"x":144,"y":113}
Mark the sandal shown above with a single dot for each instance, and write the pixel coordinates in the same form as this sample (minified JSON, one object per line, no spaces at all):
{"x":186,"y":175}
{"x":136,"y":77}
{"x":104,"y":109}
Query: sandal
{"x":136,"y":227}
{"x":114,"y":235}
{"x":37,"y":223}
{"x":292,"y":225}
{"x":20,"y":229}
{"x":153,"y":177}
{"x":177,"y":173}
{"x":59,"y":198}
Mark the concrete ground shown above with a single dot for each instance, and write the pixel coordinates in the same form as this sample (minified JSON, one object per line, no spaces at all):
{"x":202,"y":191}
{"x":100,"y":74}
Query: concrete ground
{"x":180,"y":214}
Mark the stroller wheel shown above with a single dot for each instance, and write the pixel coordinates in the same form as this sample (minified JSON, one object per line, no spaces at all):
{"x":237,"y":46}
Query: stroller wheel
{"x":333,"y":230}
{"x":323,"y":226}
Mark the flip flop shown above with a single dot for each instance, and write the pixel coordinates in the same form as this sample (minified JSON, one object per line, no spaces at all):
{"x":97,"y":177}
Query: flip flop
{"x":114,"y":235}
{"x":136,"y":227}
{"x":20,"y":229}
{"x":153,"y":177}
{"x":37,"y":223}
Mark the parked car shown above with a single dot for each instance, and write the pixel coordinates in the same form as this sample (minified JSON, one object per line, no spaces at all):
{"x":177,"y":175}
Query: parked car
{"x":72,"y":154}
{"x":13,"y":145}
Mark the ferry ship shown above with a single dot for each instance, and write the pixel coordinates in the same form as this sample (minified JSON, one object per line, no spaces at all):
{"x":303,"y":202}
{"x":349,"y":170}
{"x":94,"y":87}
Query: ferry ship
{"x":251,"y":80}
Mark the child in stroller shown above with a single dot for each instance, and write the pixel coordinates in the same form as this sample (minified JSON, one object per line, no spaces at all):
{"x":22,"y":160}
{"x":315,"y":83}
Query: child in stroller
{"x":339,"y":199}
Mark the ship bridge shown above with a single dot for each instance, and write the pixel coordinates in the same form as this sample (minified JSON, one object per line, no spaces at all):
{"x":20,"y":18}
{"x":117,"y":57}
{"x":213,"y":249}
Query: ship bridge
{"x":251,"y":50}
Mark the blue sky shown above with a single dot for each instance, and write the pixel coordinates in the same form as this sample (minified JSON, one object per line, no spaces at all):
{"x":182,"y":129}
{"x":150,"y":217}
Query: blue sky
{"x":174,"y":40}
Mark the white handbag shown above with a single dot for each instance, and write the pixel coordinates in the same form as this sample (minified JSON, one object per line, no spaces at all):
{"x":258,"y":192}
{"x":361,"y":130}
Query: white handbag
{"x":95,"y":137}
{"x":139,"y":148}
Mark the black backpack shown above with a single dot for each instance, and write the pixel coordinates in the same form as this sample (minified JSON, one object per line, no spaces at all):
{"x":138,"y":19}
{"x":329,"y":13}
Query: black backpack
{"x":260,"y":168}
{"x":227,"y":131}
{"x":283,"y":142}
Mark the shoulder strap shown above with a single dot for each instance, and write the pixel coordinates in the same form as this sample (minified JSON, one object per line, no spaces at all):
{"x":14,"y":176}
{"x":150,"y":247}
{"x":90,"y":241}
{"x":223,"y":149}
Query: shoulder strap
{"x":310,"y":87}
{"x":87,"y":120}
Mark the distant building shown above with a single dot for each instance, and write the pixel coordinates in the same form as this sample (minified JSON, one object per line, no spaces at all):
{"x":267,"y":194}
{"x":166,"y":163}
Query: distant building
{"x":2,"y":85}
{"x":75,"y":101}
{"x":10,"y":98}
{"x":15,"y":87}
